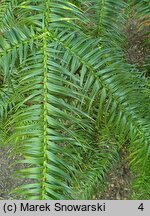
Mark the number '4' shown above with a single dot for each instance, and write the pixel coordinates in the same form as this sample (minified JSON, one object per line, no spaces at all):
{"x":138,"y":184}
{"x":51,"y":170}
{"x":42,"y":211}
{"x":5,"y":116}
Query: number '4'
{"x":141,"y":207}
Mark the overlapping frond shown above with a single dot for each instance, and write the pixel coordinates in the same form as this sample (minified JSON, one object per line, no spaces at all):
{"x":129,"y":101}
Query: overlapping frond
{"x":48,"y":130}
{"x":121,"y":94}
{"x":97,"y":164}
{"x":6,"y":14}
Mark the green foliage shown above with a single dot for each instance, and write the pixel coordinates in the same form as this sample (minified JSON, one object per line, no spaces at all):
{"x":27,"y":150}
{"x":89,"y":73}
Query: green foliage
{"x":68,"y":97}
